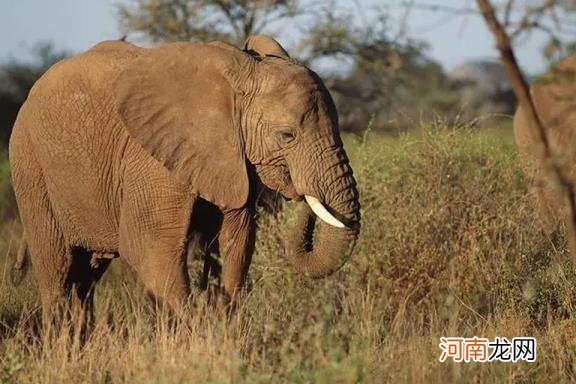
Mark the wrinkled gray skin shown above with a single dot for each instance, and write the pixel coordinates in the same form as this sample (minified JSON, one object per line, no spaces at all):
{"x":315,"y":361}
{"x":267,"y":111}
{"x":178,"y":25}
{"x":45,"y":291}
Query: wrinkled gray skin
{"x":113,"y":148}
{"x":554,"y":96}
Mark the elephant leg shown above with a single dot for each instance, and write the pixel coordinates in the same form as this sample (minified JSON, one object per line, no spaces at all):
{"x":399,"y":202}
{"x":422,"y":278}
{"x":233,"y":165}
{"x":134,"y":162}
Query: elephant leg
{"x":51,"y":261}
{"x":548,"y":204}
{"x":64,"y":275}
{"x":165,"y":277}
{"x":51,"y":257}
{"x":153,"y":242}
{"x":236,"y":246}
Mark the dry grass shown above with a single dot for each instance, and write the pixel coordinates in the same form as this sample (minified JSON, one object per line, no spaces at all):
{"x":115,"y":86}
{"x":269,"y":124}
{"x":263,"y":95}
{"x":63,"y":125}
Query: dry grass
{"x":449,"y":247}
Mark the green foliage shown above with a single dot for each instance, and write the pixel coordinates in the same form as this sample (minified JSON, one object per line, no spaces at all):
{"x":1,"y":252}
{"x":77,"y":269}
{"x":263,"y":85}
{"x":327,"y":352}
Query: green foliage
{"x":13,"y":364}
{"x":397,"y":84}
{"x":449,"y":247}
{"x":390,"y":78}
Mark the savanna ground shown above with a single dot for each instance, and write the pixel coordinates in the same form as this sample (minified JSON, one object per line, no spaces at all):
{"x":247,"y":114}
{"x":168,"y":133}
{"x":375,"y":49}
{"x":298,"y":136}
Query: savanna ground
{"x":449,"y":247}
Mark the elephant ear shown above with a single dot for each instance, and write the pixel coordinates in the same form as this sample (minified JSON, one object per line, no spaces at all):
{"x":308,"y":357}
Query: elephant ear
{"x":177,"y":102}
{"x":262,"y":45}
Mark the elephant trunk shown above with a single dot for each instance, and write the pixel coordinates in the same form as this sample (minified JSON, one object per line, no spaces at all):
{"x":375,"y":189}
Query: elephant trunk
{"x":318,"y":246}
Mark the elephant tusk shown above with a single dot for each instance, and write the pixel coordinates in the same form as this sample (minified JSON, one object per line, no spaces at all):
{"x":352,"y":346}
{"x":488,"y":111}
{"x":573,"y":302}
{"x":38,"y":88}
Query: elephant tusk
{"x":322,"y":212}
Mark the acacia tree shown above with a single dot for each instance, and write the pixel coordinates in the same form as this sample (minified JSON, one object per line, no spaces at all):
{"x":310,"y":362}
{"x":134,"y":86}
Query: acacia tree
{"x":389,"y":76}
{"x":189,"y":20}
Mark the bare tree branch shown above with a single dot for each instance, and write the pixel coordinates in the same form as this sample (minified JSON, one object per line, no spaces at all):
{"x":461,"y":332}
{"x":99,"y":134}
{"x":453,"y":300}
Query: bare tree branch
{"x":508,"y":12}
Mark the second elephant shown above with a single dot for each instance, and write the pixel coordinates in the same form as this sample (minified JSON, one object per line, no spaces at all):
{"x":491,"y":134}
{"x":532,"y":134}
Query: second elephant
{"x":554,"y":97}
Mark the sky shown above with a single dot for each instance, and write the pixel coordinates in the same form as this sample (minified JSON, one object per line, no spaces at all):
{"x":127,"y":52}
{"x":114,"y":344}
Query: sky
{"x":76,"y":25}
{"x":73,"y":25}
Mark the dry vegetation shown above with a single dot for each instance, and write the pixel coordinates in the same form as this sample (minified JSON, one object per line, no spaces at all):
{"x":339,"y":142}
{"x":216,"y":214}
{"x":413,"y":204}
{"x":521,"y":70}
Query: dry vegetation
{"x":449,"y":247}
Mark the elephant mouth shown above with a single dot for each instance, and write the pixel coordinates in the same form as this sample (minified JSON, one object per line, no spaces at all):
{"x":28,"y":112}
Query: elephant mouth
{"x":270,"y":175}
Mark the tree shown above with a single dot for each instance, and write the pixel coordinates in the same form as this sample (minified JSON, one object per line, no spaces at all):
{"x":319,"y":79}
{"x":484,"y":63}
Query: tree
{"x":390,"y":81}
{"x":392,"y":85}
{"x":16,"y":80}
{"x":372,"y":72}
{"x":552,"y":17}
{"x":190,"y":20}
{"x":569,"y":44}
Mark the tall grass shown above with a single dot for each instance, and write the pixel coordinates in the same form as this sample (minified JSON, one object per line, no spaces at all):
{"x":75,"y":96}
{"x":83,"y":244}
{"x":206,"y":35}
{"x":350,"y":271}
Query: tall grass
{"x":449,"y":247}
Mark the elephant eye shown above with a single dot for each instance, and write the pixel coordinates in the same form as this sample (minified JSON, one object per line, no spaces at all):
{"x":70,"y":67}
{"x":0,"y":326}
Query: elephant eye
{"x":286,"y":136}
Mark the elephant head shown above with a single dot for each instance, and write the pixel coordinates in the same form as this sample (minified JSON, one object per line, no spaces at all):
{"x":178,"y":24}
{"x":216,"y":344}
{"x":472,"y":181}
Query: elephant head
{"x":211,"y":113}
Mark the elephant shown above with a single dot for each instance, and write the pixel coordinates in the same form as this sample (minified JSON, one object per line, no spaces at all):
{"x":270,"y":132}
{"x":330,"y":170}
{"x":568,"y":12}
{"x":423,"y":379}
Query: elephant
{"x":554,"y":97}
{"x":114,"y":148}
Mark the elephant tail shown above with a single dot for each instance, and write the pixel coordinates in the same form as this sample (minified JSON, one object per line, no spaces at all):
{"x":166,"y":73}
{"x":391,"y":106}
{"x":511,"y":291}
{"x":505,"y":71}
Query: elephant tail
{"x":20,"y":267}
